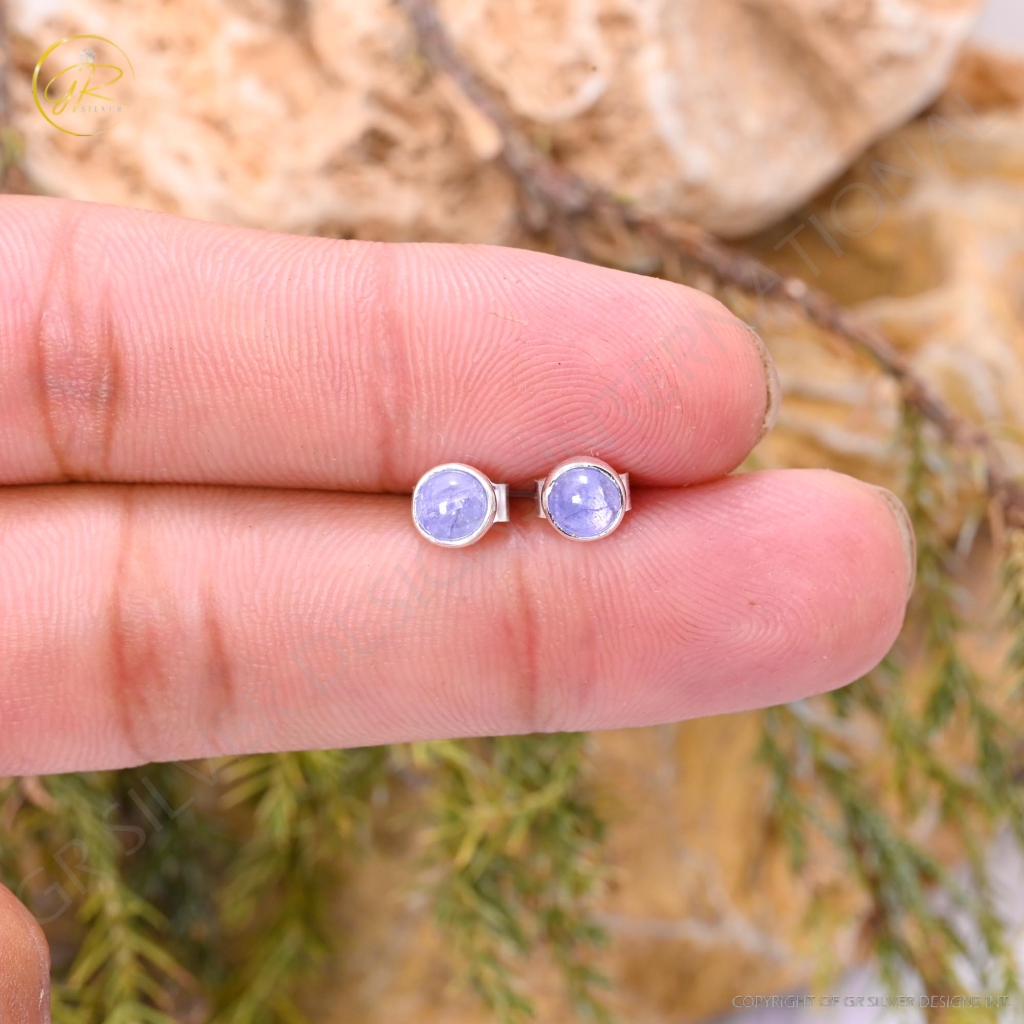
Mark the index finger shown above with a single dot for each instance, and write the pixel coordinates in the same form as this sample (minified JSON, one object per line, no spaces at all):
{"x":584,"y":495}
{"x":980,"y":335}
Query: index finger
{"x":143,"y":347}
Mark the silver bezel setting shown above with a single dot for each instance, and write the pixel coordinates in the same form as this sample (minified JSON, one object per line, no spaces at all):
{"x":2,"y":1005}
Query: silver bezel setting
{"x":497,"y":504}
{"x":544,"y":492}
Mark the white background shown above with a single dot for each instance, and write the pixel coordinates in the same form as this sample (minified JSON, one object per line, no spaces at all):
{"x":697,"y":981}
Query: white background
{"x":1002,"y":24}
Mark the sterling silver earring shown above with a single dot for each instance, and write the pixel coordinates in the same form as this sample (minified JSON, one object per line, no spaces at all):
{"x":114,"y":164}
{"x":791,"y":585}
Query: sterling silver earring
{"x":583,"y":498}
{"x":454,"y":505}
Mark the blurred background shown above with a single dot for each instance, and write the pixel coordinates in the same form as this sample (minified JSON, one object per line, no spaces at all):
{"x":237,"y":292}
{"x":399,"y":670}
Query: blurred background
{"x":848,"y":176}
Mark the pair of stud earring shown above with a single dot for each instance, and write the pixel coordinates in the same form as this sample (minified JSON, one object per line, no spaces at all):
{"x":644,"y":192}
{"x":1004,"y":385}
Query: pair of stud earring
{"x":584,"y":499}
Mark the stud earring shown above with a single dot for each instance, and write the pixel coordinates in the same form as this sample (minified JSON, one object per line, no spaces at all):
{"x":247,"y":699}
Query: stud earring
{"x":454,"y":505}
{"x":583,"y":498}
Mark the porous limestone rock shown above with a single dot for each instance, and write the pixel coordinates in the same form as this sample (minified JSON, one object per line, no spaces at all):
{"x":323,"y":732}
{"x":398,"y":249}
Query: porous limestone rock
{"x":318,"y":117}
{"x":922,"y":236}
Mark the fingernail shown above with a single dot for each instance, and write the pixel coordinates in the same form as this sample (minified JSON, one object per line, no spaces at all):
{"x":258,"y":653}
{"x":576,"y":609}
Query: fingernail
{"x":899,"y":510}
{"x":771,"y":376}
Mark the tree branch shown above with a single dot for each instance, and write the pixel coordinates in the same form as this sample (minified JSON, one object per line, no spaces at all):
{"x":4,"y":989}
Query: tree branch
{"x":5,"y":68}
{"x":563,"y":197}
{"x":6,"y":143}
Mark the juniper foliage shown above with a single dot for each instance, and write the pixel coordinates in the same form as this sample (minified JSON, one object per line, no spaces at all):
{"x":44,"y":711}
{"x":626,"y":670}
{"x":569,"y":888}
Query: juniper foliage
{"x":515,"y":846}
{"x":203,"y":892}
{"x":878,"y":775}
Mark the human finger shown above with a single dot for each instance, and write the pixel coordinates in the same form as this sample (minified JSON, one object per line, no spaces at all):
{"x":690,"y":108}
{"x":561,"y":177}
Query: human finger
{"x":24,"y":965}
{"x":137,"y":346}
{"x":161,"y":623}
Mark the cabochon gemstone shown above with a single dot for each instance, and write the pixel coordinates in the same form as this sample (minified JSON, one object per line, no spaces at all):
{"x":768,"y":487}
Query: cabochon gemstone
{"x":451,"y":505}
{"x":584,"y":502}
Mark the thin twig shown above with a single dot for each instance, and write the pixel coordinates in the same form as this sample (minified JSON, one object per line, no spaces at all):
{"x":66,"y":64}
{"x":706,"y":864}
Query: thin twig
{"x":564,"y":196}
{"x":5,"y":68}
{"x":5,"y":94}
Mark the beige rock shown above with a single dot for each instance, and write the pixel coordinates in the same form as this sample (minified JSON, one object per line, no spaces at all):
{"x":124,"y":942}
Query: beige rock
{"x":923,"y":236}
{"x":727,"y":113}
{"x":730,"y":113}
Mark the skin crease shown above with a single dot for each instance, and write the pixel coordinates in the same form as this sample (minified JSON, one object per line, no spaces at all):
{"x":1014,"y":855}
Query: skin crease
{"x":199,"y":426}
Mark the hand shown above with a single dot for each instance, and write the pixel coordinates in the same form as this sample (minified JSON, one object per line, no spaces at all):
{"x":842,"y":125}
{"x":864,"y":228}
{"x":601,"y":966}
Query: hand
{"x":208,"y":436}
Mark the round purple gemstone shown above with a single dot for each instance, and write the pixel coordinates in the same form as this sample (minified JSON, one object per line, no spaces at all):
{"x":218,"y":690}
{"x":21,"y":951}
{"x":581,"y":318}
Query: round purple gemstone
{"x":584,"y":502}
{"x":450,"y":505}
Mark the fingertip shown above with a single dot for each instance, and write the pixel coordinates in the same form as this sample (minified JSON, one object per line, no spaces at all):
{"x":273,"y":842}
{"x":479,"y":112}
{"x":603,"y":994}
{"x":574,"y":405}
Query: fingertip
{"x":654,"y":375}
{"x":806,"y":570}
{"x":864,"y":538}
